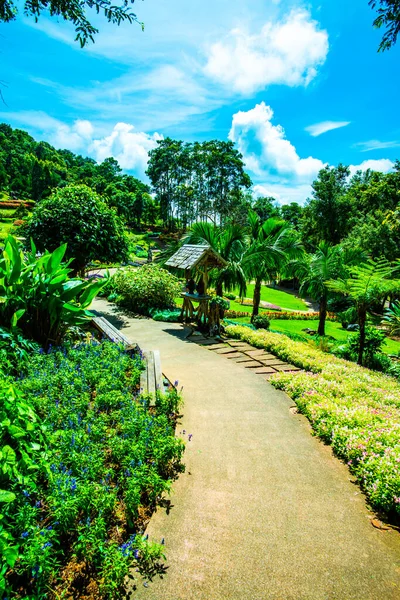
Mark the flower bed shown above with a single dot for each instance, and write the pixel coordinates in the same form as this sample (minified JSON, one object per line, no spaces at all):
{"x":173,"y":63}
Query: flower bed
{"x":105,"y":461}
{"x":354,"y":409}
{"x":284,"y":315}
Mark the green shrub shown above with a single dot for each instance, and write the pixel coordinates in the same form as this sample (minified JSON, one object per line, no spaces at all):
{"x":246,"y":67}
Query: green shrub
{"x":76,"y":215}
{"x":392,"y":319}
{"x":37,"y":293}
{"x":167,"y":315}
{"x":261,"y":322}
{"x":230,"y":296}
{"x":78,"y":508}
{"x":144,"y":289}
{"x":354,"y":409}
{"x":374,"y":340}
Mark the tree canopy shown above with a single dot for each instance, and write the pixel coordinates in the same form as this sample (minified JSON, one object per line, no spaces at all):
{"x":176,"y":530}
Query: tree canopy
{"x":74,"y":11}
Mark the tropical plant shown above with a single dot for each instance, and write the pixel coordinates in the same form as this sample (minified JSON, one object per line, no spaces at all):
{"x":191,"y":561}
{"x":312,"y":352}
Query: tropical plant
{"x":144,"y":289}
{"x":270,"y":245}
{"x":229,"y":242}
{"x":38,"y":294}
{"x":77,"y":216}
{"x":368,"y":284}
{"x":314,"y":270}
{"x":392,"y":319}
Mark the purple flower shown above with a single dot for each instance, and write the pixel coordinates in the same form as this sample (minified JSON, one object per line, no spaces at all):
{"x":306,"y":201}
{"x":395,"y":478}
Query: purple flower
{"x":190,"y":436}
{"x":24,"y":534}
{"x":26,"y":494}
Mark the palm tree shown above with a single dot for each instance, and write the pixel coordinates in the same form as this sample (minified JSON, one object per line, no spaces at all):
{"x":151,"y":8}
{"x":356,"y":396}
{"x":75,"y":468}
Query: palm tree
{"x":270,"y":246}
{"x":229,"y":242}
{"x":369,"y":283}
{"x":328,"y":262}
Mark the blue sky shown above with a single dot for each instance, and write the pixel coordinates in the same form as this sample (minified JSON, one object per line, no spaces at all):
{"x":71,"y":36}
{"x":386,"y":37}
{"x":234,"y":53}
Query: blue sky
{"x":296,"y":85}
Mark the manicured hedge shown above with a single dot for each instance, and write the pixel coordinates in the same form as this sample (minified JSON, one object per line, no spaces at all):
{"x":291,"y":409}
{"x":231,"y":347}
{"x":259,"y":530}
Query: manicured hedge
{"x":354,"y":409}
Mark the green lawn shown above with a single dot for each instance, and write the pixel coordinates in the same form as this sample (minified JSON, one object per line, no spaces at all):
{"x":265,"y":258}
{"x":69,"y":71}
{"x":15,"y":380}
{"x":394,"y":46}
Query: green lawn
{"x":331,"y":328}
{"x":269,"y":294}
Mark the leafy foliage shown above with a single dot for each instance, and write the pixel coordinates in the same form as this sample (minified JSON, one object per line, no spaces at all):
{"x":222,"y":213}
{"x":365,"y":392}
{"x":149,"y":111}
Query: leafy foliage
{"x":76,"y":215}
{"x":368,"y":283}
{"x":73,"y":11}
{"x":78,"y":503}
{"x":261,"y":322}
{"x":392,"y":319}
{"x":38,"y":294}
{"x":389,"y":17}
{"x":144,"y":289}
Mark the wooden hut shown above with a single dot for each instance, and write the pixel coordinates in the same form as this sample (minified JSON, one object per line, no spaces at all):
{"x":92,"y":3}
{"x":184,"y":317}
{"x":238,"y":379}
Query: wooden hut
{"x":196,"y":261}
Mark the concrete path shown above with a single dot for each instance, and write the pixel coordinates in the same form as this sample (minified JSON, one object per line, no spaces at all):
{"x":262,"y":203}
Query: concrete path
{"x":264,"y":511}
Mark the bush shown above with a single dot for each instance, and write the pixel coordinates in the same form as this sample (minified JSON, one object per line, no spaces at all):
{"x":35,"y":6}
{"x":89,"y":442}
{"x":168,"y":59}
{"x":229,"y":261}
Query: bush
{"x":37,"y":293}
{"x":167,"y":315}
{"x":230,"y":296}
{"x":261,"y":322}
{"x":106,"y":460}
{"x":374,"y":340}
{"x":144,"y":289}
{"x":354,"y":409}
{"x":76,"y":215}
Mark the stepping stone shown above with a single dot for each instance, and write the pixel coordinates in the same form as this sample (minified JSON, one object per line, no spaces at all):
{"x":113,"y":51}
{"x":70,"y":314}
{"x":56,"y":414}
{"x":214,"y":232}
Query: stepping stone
{"x":256,"y":353}
{"x":204,"y":342}
{"x":271,"y":362}
{"x":236,"y":343}
{"x":245,"y":359}
{"x":243,"y":347}
{"x":224,"y":350}
{"x":249,"y":364}
{"x":219,"y":347}
{"x":285,"y":368}
{"x":235,"y":355}
{"x":264,"y":370}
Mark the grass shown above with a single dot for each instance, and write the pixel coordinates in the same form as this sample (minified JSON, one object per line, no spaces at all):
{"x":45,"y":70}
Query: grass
{"x":277,"y":297}
{"x":331,"y":328}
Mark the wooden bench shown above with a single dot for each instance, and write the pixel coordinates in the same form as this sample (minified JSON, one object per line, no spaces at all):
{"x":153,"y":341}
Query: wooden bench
{"x":151,"y":378}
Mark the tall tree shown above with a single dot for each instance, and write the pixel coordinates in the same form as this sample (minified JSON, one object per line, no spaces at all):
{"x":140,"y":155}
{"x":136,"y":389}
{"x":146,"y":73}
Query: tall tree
{"x":324,"y":214}
{"x":270,"y":245}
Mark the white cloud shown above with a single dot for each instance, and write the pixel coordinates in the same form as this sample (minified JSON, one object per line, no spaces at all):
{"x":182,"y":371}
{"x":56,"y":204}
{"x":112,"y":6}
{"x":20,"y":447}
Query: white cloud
{"x":325,"y":126}
{"x":284,"y":193}
{"x":129,"y":147}
{"x":276,"y":153}
{"x":375,"y":145}
{"x":284,"y":52}
{"x":384,"y":165}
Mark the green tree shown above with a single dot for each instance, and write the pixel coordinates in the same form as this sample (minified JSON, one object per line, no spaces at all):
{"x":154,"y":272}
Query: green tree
{"x":324,"y":216}
{"x":271,"y":244}
{"x":368,"y":284}
{"x":388,"y":17}
{"x":76,"y":215}
{"x":74,"y":11}
{"x":266,"y":207}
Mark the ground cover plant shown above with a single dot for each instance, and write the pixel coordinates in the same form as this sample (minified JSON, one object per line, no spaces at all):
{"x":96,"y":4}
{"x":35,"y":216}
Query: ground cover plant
{"x":85,"y":461}
{"x":354,"y":409}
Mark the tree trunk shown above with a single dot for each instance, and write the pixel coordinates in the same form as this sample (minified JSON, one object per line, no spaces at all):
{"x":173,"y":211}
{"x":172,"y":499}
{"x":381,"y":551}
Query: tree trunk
{"x":256,"y":298}
{"x":322,"y":315}
{"x":362,"y":318}
{"x":218,"y":288}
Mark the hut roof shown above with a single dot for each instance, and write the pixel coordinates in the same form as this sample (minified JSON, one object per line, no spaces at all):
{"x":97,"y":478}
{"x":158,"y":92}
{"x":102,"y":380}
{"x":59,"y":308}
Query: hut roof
{"x":195,"y":255}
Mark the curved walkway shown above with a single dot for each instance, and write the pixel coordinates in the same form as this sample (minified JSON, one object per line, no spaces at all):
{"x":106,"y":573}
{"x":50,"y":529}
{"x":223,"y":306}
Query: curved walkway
{"x":264,"y":511}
